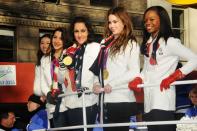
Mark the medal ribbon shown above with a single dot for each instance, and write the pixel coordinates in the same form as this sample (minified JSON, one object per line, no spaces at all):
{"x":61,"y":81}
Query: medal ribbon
{"x":106,"y":50}
{"x":97,"y":66}
{"x":54,"y":71}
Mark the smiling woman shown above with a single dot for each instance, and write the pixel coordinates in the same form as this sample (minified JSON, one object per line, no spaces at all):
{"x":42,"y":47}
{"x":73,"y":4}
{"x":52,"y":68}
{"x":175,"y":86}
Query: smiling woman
{"x":162,"y":52}
{"x":49,"y":82}
{"x":79,"y":77}
{"x":117,"y":64}
{"x":80,"y":33}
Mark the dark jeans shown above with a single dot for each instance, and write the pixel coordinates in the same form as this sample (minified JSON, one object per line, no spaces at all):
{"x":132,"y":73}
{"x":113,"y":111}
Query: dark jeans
{"x":160,"y":115}
{"x":119,"y":113}
{"x":75,"y":116}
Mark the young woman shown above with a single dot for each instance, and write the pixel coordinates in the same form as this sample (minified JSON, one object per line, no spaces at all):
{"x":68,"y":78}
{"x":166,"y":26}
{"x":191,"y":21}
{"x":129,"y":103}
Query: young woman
{"x":79,"y":77}
{"x":162,"y":53}
{"x":43,"y":51}
{"x":118,"y":63}
{"x":49,"y":84}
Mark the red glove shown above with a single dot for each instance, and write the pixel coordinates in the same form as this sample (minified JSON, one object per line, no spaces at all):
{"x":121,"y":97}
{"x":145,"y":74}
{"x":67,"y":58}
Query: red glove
{"x":165,"y":84}
{"x":134,"y":83}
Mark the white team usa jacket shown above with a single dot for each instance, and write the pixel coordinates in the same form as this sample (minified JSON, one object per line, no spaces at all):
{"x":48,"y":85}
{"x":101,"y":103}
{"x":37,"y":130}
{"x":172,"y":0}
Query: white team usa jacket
{"x":44,"y":79}
{"x":87,"y":79}
{"x":167,"y":56}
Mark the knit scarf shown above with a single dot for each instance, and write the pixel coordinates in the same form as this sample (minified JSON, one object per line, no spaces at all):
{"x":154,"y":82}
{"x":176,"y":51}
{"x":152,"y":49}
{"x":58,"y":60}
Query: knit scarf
{"x":155,"y":46}
{"x":97,"y":69}
{"x":98,"y":65}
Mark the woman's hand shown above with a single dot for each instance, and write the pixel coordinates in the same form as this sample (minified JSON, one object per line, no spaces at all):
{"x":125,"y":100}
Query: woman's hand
{"x":107,"y":89}
{"x":134,"y":83}
{"x":97,"y":89}
{"x":165,"y":84}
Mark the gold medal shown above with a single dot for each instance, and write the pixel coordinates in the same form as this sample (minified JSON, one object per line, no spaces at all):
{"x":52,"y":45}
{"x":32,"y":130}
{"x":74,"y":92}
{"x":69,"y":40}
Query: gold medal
{"x":68,"y":60}
{"x":105,"y":74}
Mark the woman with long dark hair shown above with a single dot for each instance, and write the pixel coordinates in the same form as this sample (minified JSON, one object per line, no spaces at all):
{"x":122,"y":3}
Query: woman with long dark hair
{"x":83,"y":52}
{"x":49,"y":84}
{"x":162,"y":52}
{"x":43,"y":51}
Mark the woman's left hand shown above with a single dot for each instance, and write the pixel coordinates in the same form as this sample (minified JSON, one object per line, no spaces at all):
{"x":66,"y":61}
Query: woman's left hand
{"x":107,"y":89}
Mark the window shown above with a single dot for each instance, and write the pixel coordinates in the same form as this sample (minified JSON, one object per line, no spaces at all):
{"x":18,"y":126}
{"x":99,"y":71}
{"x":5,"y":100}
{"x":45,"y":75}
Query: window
{"x":7,"y":46}
{"x":178,"y":23}
{"x":101,"y":3}
{"x":52,"y":1}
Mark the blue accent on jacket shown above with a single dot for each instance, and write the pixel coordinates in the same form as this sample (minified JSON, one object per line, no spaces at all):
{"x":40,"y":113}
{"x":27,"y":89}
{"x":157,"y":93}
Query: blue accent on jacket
{"x":191,"y":112}
{"x":38,"y":121}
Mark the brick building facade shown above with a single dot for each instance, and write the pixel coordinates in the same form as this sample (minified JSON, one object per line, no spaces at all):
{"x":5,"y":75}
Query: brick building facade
{"x":28,"y":18}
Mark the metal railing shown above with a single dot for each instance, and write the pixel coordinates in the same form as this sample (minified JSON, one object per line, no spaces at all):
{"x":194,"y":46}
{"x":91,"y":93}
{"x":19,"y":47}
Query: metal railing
{"x":85,"y":126}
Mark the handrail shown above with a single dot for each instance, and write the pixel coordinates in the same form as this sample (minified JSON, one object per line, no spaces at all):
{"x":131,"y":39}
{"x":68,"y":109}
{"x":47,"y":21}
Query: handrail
{"x":85,"y":126}
{"x":139,"y":86}
{"x":126,"y":124}
{"x":174,"y":83}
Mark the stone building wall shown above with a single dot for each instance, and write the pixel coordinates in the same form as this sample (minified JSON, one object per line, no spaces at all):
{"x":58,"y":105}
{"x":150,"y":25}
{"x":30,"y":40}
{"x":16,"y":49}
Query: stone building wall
{"x":28,"y":17}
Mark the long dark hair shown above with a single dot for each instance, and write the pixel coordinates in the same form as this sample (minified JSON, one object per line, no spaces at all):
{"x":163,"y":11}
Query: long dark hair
{"x":126,"y":34}
{"x":86,"y":21}
{"x":39,"y":52}
{"x":165,"y":29}
{"x":64,"y":38}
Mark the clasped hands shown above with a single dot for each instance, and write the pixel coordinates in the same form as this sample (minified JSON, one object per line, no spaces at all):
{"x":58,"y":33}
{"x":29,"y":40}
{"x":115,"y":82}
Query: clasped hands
{"x":99,"y":89}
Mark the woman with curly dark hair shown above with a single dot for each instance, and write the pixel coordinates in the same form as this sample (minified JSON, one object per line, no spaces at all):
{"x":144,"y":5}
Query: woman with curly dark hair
{"x":83,"y":52}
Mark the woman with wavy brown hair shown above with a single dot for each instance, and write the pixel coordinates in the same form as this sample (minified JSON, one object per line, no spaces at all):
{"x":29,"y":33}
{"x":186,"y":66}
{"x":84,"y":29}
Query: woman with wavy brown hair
{"x":118,"y":63}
